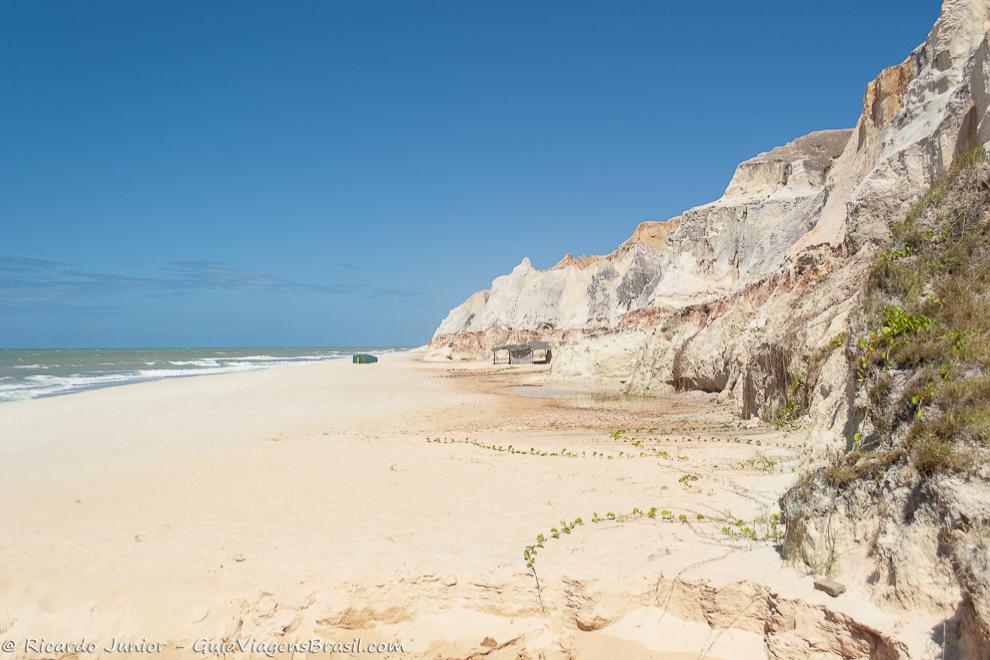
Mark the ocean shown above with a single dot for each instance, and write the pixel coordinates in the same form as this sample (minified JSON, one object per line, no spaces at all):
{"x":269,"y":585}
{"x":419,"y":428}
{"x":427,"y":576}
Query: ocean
{"x":32,"y":373}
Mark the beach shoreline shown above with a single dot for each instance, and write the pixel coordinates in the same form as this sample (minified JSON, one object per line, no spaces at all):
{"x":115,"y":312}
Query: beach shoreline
{"x":41,"y":373}
{"x":383,"y":501}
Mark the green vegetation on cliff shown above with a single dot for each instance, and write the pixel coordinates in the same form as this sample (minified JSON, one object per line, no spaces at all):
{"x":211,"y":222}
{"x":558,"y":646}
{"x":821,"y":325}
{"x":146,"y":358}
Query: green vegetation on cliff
{"x":923,"y":359}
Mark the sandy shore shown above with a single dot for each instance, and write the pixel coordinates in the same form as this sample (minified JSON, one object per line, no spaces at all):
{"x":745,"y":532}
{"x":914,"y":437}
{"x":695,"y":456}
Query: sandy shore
{"x":309,"y":501}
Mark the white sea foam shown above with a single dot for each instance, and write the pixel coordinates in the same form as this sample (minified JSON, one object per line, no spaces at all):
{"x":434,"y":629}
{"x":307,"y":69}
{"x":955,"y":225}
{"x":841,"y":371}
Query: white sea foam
{"x":40,"y":385}
{"x":13,"y":387}
{"x":202,"y":362}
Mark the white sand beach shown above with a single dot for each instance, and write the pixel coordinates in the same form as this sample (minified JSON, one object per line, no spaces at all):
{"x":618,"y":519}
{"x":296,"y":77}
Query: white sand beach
{"x":306,"y":501}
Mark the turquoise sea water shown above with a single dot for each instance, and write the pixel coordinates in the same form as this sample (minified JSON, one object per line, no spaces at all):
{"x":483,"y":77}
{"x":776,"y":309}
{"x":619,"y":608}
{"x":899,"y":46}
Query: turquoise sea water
{"x":31,"y":373}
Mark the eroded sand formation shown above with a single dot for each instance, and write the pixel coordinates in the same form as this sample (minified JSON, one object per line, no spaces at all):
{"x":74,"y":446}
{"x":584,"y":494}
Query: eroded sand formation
{"x":757,"y":297}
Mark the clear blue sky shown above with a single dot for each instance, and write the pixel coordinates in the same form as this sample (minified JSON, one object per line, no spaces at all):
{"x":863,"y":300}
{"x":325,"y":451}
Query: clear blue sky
{"x":266,"y":173}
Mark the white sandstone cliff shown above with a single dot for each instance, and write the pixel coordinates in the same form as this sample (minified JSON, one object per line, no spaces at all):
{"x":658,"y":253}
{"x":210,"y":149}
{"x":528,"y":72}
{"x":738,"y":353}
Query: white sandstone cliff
{"x":705,"y":254}
{"x":729,"y":295}
{"x":751,"y":295}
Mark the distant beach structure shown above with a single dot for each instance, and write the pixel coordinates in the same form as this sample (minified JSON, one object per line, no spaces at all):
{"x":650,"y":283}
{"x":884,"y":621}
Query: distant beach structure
{"x":536,"y":352}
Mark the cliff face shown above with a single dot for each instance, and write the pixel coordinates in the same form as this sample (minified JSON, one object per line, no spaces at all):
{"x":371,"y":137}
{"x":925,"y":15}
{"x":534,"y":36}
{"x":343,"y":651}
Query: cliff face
{"x":733,"y":295}
{"x":903,"y":504}
{"x":700,"y":256}
{"x":762,"y":296}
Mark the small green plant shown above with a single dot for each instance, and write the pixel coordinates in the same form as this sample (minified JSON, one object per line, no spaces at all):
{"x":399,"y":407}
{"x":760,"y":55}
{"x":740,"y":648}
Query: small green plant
{"x":764,"y":528}
{"x":900,"y":253}
{"x":919,"y":399}
{"x":760,"y":462}
{"x":786,"y":417}
{"x":530,"y":552}
{"x":837,"y":341}
{"x":776,"y":533}
{"x":879,"y":345}
{"x":510,"y":449}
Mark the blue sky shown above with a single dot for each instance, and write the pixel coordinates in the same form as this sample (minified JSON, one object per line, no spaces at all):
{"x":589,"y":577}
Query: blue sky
{"x":313,"y":173}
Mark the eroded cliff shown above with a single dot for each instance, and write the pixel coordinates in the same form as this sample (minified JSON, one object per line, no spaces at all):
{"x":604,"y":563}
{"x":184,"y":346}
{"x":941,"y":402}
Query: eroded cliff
{"x":734,"y":295}
{"x":763,"y":297}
